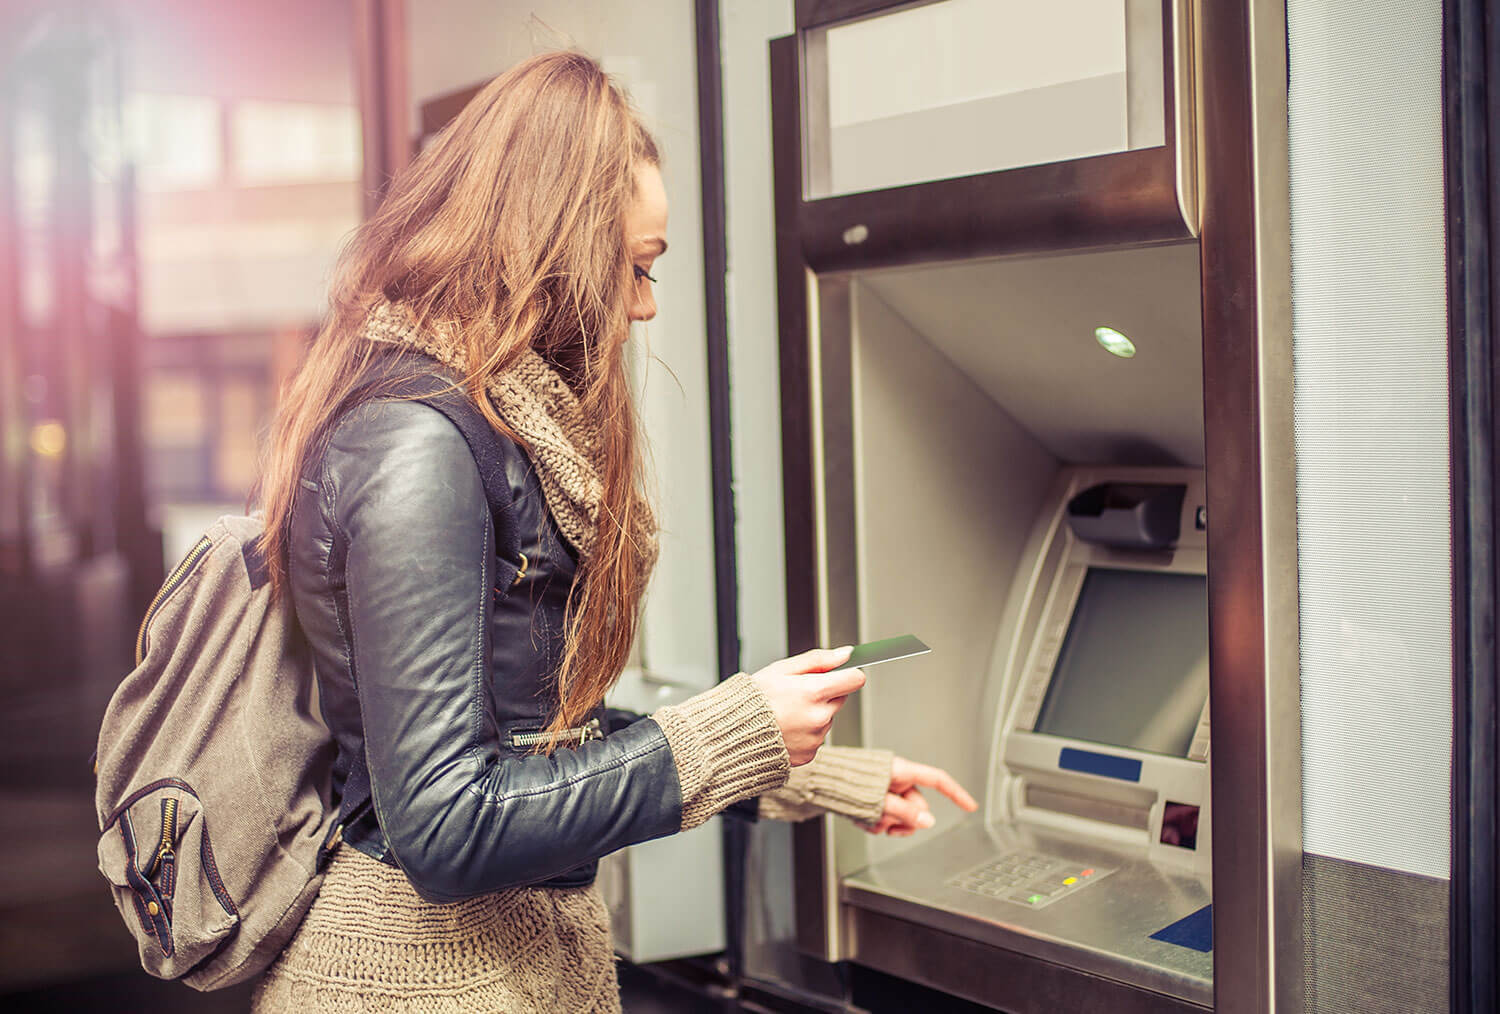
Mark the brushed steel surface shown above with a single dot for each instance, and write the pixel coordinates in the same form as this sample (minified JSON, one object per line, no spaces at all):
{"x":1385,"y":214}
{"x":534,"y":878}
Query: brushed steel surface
{"x":1282,"y":778}
{"x":1253,"y":623}
{"x":822,"y":13}
{"x":1005,"y":979}
{"x":1127,"y":197}
{"x":1104,"y":928}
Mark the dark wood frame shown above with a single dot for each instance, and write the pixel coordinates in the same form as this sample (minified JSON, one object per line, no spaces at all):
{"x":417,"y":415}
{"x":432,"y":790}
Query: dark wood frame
{"x":437,"y":113}
{"x":1471,"y":88}
{"x":380,"y":69}
{"x":721,"y":458}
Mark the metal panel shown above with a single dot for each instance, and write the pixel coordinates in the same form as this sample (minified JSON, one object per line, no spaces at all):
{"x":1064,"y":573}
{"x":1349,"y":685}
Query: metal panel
{"x":1013,"y":982}
{"x":1105,"y":929}
{"x":1251,"y":501}
{"x":1253,"y":605}
{"x":821,"y":13}
{"x":1127,"y":197}
{"x":1377,"y":940}
{"x":1121,"y":198}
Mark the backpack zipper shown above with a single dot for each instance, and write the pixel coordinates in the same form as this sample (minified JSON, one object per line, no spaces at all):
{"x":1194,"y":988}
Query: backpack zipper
{"x":164,"y":849}
{"x":590,"y":730}
{"x":178,"y":575}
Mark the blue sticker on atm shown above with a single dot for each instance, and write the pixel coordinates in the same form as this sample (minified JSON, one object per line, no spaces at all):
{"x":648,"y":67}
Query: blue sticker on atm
{"x":1103,"y":764}
{"x":1195,"y":932}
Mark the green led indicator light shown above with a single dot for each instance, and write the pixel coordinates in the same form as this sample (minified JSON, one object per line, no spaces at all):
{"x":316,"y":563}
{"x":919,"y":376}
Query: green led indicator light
{"x":1033,"y":899}
{"x":1115,"y":342}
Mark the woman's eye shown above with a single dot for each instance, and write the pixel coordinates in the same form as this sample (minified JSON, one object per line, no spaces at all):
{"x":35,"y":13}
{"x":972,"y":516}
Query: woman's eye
{"x":641,"y":272}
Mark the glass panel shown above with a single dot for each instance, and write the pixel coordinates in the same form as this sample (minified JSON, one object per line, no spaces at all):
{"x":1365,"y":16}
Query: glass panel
{"x":243,"y":414}
{"x":146,"y":290}
{"x":970,"y":86}
{"x":295,"y":142}
{"x":1370,"y":346}
{"x":1133,"y":671}
{"x":175,"y":140}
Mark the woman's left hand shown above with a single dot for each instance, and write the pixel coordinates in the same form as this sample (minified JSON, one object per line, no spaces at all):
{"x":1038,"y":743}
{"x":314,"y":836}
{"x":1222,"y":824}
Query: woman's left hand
{"x":905,"y":809}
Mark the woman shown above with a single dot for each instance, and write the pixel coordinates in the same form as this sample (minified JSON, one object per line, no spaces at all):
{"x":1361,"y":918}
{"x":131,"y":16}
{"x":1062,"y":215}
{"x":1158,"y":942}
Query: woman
{"x":464,"y":688}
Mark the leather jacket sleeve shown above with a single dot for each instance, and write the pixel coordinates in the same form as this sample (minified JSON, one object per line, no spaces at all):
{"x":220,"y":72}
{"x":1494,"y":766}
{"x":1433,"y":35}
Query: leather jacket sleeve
{"x":407,"y":511}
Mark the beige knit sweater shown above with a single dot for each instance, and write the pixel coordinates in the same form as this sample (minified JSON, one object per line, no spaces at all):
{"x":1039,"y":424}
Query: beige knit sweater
{"x":369,"y":943}
{"x":728,"y":747}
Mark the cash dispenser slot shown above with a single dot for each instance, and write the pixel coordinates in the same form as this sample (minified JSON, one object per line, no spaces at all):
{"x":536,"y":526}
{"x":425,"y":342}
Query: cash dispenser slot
{"x":1105,"y":811}
{"x":1128,"y":810}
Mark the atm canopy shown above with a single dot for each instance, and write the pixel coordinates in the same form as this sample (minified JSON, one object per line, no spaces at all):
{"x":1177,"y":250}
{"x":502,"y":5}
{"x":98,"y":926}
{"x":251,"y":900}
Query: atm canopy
{"x":1023,"y":328}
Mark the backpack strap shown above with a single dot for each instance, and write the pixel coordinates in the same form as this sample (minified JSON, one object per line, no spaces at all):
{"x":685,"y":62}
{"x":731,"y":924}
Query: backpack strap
{"x":453,"y":402}
{"x":485,"y":444}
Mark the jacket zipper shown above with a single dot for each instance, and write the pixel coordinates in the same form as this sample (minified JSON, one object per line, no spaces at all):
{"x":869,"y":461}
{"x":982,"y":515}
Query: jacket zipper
{"x":168,"y":835}
{"x":178,"y":575}
{"x":590,"y":730}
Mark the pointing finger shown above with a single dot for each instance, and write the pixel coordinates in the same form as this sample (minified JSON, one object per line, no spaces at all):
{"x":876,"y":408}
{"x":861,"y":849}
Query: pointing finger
{"x":936,"y":778}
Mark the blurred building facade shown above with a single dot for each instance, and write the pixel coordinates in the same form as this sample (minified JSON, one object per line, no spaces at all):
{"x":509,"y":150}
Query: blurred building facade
{"x":175,"y":182}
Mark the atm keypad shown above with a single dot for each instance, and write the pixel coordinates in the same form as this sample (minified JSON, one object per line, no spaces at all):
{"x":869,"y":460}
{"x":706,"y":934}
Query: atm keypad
{"x":1028,"y":878}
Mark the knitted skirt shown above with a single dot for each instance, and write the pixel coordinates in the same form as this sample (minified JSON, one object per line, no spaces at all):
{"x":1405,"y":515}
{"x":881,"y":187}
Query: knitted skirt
{"x":369,"y":943}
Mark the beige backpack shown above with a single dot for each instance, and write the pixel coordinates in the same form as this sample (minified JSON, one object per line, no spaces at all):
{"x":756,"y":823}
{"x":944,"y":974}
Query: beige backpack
{"x":214,"y":764}
{"x":213,"y":771}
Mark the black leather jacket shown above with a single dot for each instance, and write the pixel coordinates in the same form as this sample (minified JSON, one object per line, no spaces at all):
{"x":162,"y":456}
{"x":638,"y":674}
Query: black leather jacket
{"x":433,"y":675}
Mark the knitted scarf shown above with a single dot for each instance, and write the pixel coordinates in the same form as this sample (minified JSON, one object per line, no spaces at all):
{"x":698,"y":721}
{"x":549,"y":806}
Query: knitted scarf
{"x":562,"y":442}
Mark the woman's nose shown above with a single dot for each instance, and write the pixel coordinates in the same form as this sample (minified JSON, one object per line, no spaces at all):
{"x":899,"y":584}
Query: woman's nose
{"x":644,"y":306}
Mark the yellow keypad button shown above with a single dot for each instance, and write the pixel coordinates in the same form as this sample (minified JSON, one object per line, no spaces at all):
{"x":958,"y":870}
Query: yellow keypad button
{"x":1070,"y":881}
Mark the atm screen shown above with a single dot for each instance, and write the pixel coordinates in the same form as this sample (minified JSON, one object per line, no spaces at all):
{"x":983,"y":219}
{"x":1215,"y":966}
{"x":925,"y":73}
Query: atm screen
{"x":1133,"y":670}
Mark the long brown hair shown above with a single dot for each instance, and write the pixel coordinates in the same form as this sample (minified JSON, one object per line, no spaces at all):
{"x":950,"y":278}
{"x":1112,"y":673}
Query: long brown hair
{"x":507,"y":232}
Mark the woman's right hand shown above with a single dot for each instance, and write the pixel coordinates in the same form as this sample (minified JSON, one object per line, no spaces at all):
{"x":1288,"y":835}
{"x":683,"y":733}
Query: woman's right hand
{"x":805,"y":693}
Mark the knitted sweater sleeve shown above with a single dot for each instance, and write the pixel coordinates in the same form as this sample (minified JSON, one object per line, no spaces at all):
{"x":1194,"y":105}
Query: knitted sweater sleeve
{"x":845,"y":780}
{"x":726,"y":745}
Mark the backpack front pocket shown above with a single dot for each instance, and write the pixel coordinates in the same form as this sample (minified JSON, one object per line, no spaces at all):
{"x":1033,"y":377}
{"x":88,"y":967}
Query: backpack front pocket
{"x":159,"y":861}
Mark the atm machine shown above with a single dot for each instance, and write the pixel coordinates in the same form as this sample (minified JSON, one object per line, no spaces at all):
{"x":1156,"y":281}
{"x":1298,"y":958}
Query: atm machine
{"x":994,"y":427}
{"x":1095,"y":843}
